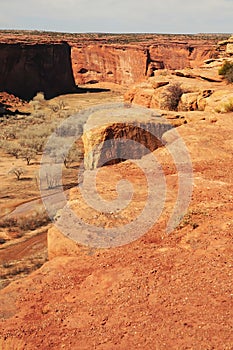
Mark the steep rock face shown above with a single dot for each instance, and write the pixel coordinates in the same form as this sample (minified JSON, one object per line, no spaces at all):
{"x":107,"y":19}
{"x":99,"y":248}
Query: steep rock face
{"x":115,"y":64}
{"x":28,"y":68}
{"x":34,"y":62}
{"x":126,"y":64}
{"x":177,"y":55}
{"x":120,"y":138}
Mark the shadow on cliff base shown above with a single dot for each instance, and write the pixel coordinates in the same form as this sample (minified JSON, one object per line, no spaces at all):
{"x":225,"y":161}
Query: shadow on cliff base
{"x":5,"y":111}
{"x":83,"y":90}
{"x":28,"y":68}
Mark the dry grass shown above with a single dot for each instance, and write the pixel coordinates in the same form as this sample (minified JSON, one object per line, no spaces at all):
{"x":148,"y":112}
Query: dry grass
{"x":225,"y":107}
{"x":28,"y":131}
{"x":15,"y":269}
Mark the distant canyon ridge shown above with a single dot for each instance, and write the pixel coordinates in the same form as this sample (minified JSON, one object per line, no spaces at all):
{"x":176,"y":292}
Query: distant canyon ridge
{"x":56,"y":63}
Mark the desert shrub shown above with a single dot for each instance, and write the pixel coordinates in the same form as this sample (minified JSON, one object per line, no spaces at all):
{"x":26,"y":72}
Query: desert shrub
{"x":39,"y":96}
{"x":74,"y":155}
{"x":35,"y":138}
{"x":66,"y":130}
{"x":28,"y":154}
{"x":229,"y":75}
{"x":225,"y":107}
{"x":17,"y":172}
{"x":50,"y":177}
{"x":9,"y":133}
{"x":38,"y":101}
{"x":61,"y":152}
{"x":58,"y":106}
{"x":12,"y":148}
{"x":229,"y":106}
{"x":27,"y":223}
{"x":33,"y":222}
{"x":227,"y":71}
{"x":36,"y":143}
{"x":8,"y":222}
{"x":171,"y":97}
{"x":35,"y":131}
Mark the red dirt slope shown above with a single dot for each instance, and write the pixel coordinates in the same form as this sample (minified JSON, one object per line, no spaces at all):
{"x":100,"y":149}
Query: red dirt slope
{"x":160,"y":292}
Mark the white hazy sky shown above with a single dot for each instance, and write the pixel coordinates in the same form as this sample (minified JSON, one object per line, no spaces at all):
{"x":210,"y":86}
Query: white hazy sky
{"x":154,"y":16}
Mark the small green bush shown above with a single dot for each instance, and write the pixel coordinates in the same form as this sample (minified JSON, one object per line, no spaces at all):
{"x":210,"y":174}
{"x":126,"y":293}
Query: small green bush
{"x":227,"y":71}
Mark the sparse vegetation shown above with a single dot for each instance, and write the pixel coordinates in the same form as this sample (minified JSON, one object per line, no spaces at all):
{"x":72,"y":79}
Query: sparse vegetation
{"x":21,"y":135}
{"x":17,"y":172}
{"x":51,"y":177}
{"x":28,"y":154}
{"x":61,"y":154}
{"x":11,"y":270}
{"x":229,"y":106}
{"x":36,"y":220}
{"x":227,"y":71}
{"x":25,"y":223}
{"x":225,"y":107}
{"x":171,"y":97}
{"x":12,"y":148}
{"x":60,"y":105}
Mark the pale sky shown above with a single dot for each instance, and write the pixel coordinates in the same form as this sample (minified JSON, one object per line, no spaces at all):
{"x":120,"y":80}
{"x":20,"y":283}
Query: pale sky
{"x":118,"y":16}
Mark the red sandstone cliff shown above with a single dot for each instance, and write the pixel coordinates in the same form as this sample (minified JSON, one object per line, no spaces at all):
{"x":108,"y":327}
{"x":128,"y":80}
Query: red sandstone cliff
{"x":111,"y":63}
{"x":125,"y":64}
{"x":26,"y":69}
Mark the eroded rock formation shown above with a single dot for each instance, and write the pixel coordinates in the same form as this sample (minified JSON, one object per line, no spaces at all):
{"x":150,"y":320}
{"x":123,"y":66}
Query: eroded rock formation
{"x":128,"y":135}
{"x":226,"y":46}
{"x":202,"y":89}
{"x":126,"y":64}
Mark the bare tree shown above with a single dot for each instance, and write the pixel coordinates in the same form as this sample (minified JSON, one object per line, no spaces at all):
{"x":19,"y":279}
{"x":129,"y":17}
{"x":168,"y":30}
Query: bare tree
{"x":28,"y":154}
{"x":52,"y":179}
{"x":17,"y":171}
{"x":61,"y":154}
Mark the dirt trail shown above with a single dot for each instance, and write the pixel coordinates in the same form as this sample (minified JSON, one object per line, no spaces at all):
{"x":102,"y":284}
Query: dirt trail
{"x":24,"y":249}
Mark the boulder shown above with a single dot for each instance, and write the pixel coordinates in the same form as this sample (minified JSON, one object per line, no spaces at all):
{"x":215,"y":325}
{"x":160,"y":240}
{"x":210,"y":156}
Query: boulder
{"x":229,"y":48}
{"x":158,"y":82}
{"x":193,"y":101}
{"x":188,"y":102}
{"x":109,"y":141}
{"x":143,"y":97}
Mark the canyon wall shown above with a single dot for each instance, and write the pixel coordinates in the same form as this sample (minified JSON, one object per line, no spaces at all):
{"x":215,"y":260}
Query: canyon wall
{"x":115,"y":64}
{"x":126,"y":64}
{"x":56,"y":62}
{"x":26,"y":69}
